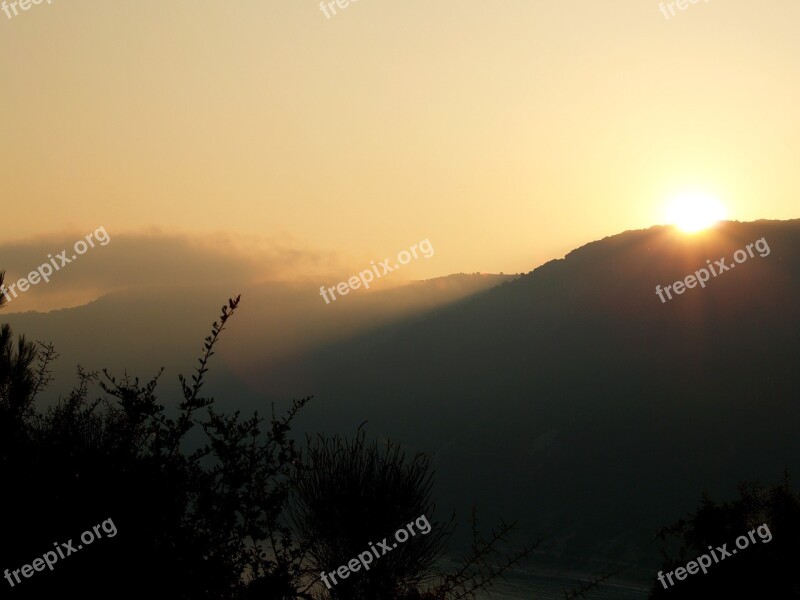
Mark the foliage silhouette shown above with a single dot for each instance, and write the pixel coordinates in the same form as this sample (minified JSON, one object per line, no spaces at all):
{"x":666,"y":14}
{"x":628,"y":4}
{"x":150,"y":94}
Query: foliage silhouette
{"x":351,"y":493}
{"x":761,"y":570}
{"x":194,"y":524}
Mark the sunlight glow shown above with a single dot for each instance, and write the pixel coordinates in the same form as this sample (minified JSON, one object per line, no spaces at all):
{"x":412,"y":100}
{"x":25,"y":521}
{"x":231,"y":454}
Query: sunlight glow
{"x":694,"y":211}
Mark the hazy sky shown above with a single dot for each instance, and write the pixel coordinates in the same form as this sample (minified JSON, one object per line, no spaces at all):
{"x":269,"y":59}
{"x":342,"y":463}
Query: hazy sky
{"x":505,"y":132}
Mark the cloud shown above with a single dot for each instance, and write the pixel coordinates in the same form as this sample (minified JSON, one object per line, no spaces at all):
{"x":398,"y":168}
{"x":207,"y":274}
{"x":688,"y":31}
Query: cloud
{"x":154,"y":261}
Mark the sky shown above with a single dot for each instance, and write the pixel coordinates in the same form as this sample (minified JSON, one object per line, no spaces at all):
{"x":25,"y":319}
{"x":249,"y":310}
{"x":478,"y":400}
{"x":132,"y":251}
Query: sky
{"x":507,"y":133}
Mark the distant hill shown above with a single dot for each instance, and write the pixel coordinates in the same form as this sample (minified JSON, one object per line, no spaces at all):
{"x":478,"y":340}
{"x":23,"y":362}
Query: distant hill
{"x":145,"y":328}
{"x":574,"y":400}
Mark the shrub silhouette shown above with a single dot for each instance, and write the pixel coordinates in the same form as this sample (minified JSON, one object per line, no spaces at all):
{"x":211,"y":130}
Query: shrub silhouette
{"x":762,"y":570}
{"x":351,"y":493}
{"x":192,"y":524}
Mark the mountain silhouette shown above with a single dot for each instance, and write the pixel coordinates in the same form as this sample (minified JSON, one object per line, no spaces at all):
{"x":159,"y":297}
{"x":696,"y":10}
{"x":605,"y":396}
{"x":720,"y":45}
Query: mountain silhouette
{"x":575,"y":400}
{"x":571,"y":399}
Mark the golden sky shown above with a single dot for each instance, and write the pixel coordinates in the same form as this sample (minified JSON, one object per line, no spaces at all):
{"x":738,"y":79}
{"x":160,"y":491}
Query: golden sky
{"x":505,"y":132}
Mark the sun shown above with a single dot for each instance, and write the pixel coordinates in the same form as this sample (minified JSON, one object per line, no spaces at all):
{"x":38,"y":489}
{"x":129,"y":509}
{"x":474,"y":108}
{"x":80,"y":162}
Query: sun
{"x":694,"y":211}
